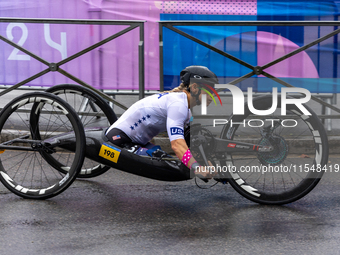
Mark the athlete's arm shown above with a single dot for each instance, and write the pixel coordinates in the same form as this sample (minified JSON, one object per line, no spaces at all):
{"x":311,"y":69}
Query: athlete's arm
{"x":180,"y":147}
{"x":177,"y":114}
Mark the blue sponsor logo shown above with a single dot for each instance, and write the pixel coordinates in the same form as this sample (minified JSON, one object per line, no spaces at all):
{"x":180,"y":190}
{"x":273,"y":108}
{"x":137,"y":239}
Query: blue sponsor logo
{"x":162,"y":94}
{"x":176,"y":131}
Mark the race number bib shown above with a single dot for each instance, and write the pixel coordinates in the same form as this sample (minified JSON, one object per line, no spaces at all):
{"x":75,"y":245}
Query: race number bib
{"x":109,"y":152}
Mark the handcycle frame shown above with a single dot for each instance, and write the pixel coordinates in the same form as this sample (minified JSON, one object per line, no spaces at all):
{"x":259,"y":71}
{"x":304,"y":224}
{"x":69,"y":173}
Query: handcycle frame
{"x":158,"y":168}
{"x":170,"y":169}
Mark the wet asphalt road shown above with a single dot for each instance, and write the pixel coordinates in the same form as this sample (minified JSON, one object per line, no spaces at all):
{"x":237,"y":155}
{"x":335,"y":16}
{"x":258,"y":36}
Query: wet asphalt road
{"x":118,"y":213}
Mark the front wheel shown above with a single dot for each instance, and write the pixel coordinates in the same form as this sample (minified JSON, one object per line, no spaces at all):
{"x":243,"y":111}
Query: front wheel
{"x":294,"y":166}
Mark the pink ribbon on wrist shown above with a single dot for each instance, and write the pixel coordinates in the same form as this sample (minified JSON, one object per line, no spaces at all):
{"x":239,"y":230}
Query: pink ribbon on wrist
{"x":186,"y":157}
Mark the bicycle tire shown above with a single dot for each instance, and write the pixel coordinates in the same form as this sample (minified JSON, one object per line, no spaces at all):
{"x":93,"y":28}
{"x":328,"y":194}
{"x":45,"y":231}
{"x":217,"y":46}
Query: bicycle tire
{"x":25,"y":172}
{"x":84,"y":100}
{"x":288,"y":186}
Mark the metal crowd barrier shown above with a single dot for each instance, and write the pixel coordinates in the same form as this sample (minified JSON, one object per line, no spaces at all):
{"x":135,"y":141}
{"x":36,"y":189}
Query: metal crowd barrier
{"x":255,"y":70}
{"x":56,"y":67}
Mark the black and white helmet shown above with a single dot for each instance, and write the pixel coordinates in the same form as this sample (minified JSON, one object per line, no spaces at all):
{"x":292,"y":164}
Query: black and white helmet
{"x":199,"y":74}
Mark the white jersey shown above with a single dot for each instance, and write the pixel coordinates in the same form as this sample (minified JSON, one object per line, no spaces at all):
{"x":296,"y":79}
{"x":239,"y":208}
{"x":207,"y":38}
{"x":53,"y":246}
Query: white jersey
{"x":154,"y":114}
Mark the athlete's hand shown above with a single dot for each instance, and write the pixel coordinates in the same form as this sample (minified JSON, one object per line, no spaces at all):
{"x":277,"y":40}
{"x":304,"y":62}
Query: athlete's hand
{"x":203,"y":172}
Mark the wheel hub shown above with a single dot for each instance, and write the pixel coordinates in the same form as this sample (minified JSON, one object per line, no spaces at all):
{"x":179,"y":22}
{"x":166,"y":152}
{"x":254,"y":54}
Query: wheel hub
{"x":279,"y":152}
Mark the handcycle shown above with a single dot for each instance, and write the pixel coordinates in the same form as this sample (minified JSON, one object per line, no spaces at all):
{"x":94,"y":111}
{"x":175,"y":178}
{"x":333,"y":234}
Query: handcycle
{"x":47,"y":142}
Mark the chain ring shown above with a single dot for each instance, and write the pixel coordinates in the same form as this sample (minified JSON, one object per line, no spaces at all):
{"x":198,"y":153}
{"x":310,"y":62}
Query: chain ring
{"x":191,"y":137}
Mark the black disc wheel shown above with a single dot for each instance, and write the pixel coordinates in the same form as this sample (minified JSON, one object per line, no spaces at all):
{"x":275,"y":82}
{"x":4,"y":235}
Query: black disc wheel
{"x":23,"y":167}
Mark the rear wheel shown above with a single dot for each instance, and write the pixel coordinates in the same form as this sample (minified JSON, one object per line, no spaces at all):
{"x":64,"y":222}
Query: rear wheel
{"x":23,"y":167}
{"x":93,"y":111}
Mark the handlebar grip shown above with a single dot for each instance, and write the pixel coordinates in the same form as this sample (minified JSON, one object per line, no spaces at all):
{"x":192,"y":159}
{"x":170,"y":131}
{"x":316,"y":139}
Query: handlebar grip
{"x":193,"y":168}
